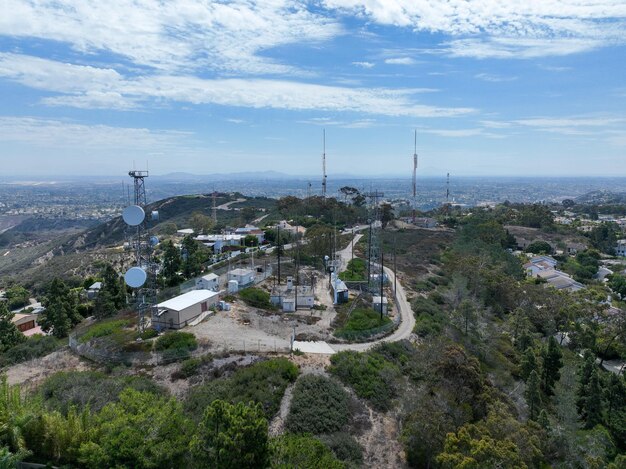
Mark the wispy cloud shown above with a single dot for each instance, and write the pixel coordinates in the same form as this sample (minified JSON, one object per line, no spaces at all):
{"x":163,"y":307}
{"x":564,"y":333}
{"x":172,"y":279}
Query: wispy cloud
{"x":67,"y":134}
{"x":497,"y":29}
{"x":400,"y":61}
{"x":174,"y":35}
{"x":490,"y":77}
{"x":93,"y":87}
{"x":364,"y":64}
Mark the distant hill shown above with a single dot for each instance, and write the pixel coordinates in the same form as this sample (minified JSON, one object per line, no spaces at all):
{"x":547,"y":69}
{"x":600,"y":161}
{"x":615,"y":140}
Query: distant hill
{"x":79,"y":254}
{"x":602,"y":197}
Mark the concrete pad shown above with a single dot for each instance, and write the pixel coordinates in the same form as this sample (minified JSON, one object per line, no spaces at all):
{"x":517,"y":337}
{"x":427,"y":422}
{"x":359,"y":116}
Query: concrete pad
{"x":313,"y":347}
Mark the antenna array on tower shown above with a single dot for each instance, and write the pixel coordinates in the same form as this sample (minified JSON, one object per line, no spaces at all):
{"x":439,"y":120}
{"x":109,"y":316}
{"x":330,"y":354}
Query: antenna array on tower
{"x":324,"y":164}
{"x":415,"y":176}
{"x":141,"y":277}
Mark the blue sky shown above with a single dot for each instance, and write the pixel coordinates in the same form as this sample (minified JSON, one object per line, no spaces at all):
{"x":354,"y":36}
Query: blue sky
{"x":535,"y":87}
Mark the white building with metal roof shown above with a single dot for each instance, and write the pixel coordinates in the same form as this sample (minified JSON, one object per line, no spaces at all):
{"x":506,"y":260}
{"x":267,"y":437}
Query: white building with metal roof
{"x":179,"y":311}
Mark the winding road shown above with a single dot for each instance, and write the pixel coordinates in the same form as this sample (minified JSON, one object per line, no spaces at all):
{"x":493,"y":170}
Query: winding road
{"x":407,"y":319}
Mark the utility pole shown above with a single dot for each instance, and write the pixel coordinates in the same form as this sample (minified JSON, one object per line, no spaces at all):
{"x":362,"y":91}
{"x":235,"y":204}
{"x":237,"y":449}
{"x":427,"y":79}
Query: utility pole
{"x":369,"y":254}
{"x":279,"y":249}
{"x":395,"y":271}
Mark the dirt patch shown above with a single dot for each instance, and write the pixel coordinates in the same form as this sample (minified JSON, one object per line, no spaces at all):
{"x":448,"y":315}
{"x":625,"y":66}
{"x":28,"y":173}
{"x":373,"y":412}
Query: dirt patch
{"x":29,"y":374}
{"x":381,"y":442}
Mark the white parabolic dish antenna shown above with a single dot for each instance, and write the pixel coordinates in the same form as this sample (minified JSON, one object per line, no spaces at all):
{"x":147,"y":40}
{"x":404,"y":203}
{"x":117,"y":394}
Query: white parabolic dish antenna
{"x":135,"y":277}
{"x":133,"y":215}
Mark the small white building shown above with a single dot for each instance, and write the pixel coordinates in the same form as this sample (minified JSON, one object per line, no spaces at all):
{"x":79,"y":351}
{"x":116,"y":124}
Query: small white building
{"x":93,"y":290}
{"x":244,"y":277}
{"x":179,"y":311}
{"x":185,"y":232}
{"x":376,"y":302}
{"x":620,"y":248}
{"x":208,"y":282}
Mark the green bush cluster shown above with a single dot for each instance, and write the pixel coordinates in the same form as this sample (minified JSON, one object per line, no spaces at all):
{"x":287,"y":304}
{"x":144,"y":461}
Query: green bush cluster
{"x":345,"y":447}
{"x":176,"y":345}
{"x":372,"y":377}
{"x":356,"y":271}
{"x":263,"y":382}
{"x":319,"y":405}
{"x":35,"y":347}
{"x":430,"y":318}
{"x":362,"y":319}
{"x":256,"y":298}
{"x":105,"y":328}
{"x":89,"y":389}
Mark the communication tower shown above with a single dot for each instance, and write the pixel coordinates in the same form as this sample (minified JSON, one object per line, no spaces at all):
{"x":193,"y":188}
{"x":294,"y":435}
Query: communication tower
{"x":324,"y":163}
{"x":141,"y":277}
{"x":375,"y":271}
{"x":448,"y":193}
{"x":415,"y":176}
{"x":214,"y":207}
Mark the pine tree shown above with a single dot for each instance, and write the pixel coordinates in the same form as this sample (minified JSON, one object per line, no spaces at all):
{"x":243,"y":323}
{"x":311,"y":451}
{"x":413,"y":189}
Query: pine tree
{"x":543,"y":420}
{"x":592,"y":408}
{"x":61,"y":312}
{"x":171,"y":263}
{"x":552,"y":363}
{"x":533,"y":395}
{"x":584,"y":376}
{"x":615,"y":396}
{"x":113,"y":284}
{"x":9,"y":333}
{"x":529,"y":363}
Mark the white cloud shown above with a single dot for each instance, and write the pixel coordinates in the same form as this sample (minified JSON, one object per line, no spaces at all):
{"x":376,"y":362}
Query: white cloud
{"x":173,"y":35}
{"x":490,"y":77}
{"x":455,"y":133}
{"x":83,"y":86}
{"x":492,"y":28}
{"x":364,"y":64}
{"x":518,"y":48}
{"x":400,"y":61}
{"x":66,"y":134}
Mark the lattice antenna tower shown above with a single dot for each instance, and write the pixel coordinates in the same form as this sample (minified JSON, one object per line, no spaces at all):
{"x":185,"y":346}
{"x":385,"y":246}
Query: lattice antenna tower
{"x":447,"y":192}
{"x":142,"y":276}
{"x":214,"y":207}
{"x":374,"y":264}
{"x":415,"y":176}
{"x":324,"y":163}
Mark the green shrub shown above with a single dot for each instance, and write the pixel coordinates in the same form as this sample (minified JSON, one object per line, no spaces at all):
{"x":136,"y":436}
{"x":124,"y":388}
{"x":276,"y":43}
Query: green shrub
{"x":345,"y":447}
{"x":149,"y":334}
{"x":363,"y":319}
{"x":356,"y":270}
{"x":35,"y":347}
{"x":190,"y":366}
{"x":319,"y":405}
{"x":293,"y":451}
{"x":256,"y":298}
{"x":263,"y":382}
{"x":105,"y":328}
{"x":176,"y":345}
{"x":370,"y":375}
{"x":89,"y":388}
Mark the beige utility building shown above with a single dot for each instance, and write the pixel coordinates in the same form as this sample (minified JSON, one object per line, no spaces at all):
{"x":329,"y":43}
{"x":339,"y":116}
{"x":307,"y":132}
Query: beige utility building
{"x":179,"y":311}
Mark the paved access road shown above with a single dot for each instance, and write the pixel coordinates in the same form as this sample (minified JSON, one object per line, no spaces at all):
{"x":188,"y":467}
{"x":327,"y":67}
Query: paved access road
{"x":407,"y":319}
